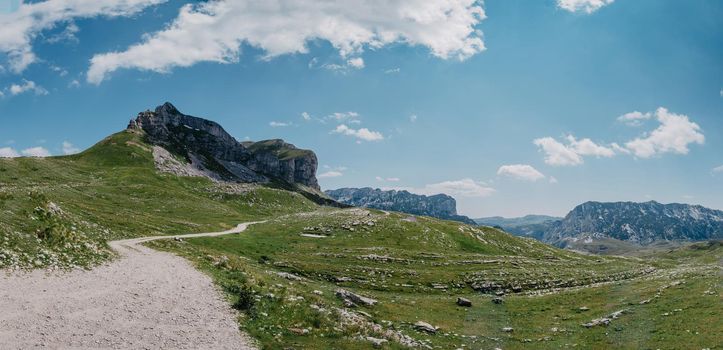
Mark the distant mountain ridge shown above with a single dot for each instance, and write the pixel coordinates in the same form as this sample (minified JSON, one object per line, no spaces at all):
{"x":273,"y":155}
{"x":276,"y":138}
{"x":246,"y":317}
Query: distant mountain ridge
{"x":514,"y":222}
{"x":641,"y":223}
{"x":439,"y":206}
{"x":631,"y":222}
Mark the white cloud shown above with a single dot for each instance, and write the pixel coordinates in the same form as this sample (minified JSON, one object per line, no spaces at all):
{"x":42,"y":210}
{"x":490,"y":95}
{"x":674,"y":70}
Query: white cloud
{"x":559,"y":154}
{"x":275,"y":124}
{"x":362,"y":134}
{"x":7,"y":152}
{"x":556,"y":153}
{"x":68,"y":34}
{"x":213,"y":31}
{"x":356,"y":62}
{"x":20,"y":28}
{"x":342,"y":116}
{"x":413,"y":118}
{"x":305,"y":116}
{"x":39,"y":152}
{"x":553,"y":180}
{"x":588,"y":6}
{"x":388,"y":179}
{"x":68,"y":148}
{"x":397,"y":70}
{"x":634,"y":118}
{"x":463,"y":188}
{"x":587,"y":147}
{"x":74,"y":84}
{"x":673,"y":135}
{"x":521,"y":172}
{"x":27,"y":86}
{"x":718,"y":169}
{"x":329,"y":174}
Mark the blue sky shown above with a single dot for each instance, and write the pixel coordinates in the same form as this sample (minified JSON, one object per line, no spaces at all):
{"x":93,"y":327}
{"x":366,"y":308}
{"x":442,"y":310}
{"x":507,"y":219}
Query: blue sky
{"x":513,"y":107}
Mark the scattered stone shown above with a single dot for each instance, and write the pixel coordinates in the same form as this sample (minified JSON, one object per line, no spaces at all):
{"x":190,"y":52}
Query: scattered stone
{"x":299,"y":331}
{"x":464,"y":302}
{"x":604,"y":321}
{"x":318,"y":292}
{"x":425,"y":327}
{"x":342,"y":279}
{"x":289,"y":276}
{"x":377,"y":343}
{"x":350,"y":299}
{"x":584,"y":308}
{"x":508,"y":329}
{"x":498,"y":300}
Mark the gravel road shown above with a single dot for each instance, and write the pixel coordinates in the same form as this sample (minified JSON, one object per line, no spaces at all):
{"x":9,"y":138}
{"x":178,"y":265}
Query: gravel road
{"x":146,"y":299}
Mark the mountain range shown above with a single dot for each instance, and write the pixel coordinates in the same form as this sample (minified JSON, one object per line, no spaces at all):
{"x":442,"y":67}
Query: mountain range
{"x":439,"y":206}
{"x":629,"y":222}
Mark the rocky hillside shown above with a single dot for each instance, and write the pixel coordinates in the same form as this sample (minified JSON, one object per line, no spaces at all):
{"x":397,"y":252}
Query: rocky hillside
{"x":439,"y":206}
{"x":638,"y":223}
{"x":188,"y":145}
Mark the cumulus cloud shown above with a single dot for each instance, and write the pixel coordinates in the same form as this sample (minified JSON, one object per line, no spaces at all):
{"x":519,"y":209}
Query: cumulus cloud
{"x":634,"y":118}
{"x":556,"y":153}
{"x":7,"y":152}
{"x":305,"y":116}
{"x":462,"y":188}
{"x":214,"y":31}
{"x":587,"y":6}
{"x":388,"y":179}
{"x":397,"y":70}
{"x":361,"y":134}
{"x":673,"y":135}
{"x":521,"y":172}
{"x":275,"y":124}
{"x":718,"y":169}
{"x":22,"y":27}
{"x":38,"y":152}
{"x":329,"y":174}
{"x":69,"y":148}
{"x":27,"y":86}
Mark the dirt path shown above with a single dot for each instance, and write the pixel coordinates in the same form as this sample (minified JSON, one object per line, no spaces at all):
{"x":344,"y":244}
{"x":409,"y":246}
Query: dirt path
{"x":144,"y":300}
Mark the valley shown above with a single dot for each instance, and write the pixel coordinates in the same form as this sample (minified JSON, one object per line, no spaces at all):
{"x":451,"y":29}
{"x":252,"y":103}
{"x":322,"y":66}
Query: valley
{"x":315,"y":274}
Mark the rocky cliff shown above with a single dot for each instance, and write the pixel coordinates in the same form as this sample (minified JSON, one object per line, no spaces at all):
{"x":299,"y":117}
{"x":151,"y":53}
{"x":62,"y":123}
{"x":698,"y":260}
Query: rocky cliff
{"x":207,"y":149}
{"x":439,"y":206}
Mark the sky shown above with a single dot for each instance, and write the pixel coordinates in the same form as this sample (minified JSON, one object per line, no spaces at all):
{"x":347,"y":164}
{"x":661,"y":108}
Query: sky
{"x":513,"y":107}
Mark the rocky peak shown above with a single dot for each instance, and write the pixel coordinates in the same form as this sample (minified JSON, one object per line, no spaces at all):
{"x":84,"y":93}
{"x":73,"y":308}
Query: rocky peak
{"x":206,"y":146}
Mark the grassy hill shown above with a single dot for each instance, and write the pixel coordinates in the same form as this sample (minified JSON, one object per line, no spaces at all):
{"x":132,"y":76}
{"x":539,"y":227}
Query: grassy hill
{"x":59,"y":211}
{"x":283,"y":274}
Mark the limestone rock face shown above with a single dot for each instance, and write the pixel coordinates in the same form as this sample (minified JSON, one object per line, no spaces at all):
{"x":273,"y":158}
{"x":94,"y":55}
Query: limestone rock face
{"x":206,"y":146}
{"x":439,"y":206}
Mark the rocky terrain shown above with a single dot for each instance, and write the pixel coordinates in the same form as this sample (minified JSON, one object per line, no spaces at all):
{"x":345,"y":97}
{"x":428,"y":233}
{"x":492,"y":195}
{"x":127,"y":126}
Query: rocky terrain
{"x":439,"y":206}
{"x":629,"y":222}
{"x":196,"y":146}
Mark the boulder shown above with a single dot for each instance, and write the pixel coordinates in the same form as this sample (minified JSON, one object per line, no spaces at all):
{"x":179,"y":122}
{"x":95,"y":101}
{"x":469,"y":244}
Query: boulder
{"x":351,"y":299}
{"x":425,"y":327}
{"x":464,"y":302}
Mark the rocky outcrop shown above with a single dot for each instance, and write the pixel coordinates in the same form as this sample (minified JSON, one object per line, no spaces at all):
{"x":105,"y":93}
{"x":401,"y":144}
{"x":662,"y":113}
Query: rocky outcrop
{"x":207,"y":147}
{"x":439,"y":206}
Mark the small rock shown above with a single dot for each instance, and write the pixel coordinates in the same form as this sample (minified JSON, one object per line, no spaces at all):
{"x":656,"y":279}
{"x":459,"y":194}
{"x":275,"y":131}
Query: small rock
{"x":498,"y":300}
{"x":351,"y":298}
{"x":507,"y":329}
{"x":584,"y":308}
{"x":425,"y":327}
{"x":377,"y":343}
{"x":464,"y":302}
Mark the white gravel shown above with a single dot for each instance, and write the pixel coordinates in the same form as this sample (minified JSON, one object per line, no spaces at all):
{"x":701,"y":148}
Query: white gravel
{"x":144,"y":300}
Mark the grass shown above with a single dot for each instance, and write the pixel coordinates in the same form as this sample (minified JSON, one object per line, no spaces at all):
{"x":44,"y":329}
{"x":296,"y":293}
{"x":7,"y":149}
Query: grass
{"x":417,"y":268}
{"x":282,"y":275}
{"x":113,"y":191}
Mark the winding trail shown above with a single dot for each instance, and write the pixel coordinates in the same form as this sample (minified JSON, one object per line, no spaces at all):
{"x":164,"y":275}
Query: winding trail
{"x":146,"y":299}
